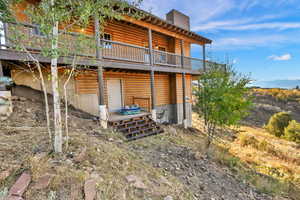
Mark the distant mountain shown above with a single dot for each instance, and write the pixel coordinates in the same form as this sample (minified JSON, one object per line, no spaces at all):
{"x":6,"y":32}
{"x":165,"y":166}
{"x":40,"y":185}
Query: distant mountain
{"x":288,"y":84}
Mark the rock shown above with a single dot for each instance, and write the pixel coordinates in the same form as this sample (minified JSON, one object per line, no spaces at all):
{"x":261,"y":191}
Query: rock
{"x":81,"y":156}
{"x":11,"y":197}
{"x":21,"y":185}
{"x":136,"y":182}
{"x":140,"y":185}
{"x":90,"y":189}
{"x":43,"y":182}
{"x":4,"y":175}
{"x":22,"y":98}
{"x":168,"y":197}
{"x":75,"y":191}
{"x":131,"y":178}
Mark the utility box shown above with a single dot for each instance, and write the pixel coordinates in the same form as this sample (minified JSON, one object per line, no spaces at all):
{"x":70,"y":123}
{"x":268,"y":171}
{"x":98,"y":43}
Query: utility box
{"x":6,"y":107}
{"x":179,"y":19}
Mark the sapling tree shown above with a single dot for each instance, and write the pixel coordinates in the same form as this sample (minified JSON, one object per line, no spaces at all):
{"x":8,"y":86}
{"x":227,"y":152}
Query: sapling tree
{"x":54,"y":19}
{"x":222,"y":98}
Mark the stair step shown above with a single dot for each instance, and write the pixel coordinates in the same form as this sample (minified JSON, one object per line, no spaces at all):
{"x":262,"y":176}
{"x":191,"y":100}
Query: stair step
{"x":142,"y":135}
{"x":151,"y":124}
{"x":140,"y":131}
{"x":133,"y":123}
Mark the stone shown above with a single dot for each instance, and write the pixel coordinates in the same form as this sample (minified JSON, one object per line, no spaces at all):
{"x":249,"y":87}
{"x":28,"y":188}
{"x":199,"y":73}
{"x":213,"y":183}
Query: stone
{"x":90,"y":189}
{"x":28,"y":110}
{"x":43,"y":182}
{"x":4,"y":175}
{"x":136,"y":182}
{"x":75,"y":191}
{"x":81,"y":156}
{"x":140,"y":185}
{"x":21,"y":185}
{"x":11,"y":197}
{"x":131,"y":178}
{"x":168,"y":197}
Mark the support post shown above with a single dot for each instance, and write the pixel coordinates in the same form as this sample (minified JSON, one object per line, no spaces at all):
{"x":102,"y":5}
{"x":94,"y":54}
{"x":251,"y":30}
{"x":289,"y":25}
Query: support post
{"x":153,"y":100}
{"x":183,"y":87}
{"x":204,"y":71}
{"x":2,"y":86}
{"x":1,"y":69}
{"x":204,"y":57}
{"x":103,"y":113}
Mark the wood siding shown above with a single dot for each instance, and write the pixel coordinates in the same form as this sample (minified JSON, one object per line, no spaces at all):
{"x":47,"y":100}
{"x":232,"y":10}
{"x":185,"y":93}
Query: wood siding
{"x":136,"y":85}
{"x":122,"y":31}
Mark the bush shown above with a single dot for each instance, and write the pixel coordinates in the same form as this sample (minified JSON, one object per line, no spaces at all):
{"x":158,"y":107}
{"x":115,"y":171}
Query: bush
{"x":292,"y":132}
{"x":246,"y":140}
{"x":278,"y":122}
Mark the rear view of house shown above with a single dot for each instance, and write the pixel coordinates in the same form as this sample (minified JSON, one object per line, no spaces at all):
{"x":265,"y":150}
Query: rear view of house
{"x":145,"y":62}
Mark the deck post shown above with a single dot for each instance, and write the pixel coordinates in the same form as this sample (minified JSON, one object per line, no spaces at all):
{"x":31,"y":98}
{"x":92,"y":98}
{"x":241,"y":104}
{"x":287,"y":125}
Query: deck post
{"x":204,"y":57}
{"x":2,"y":87}
{"x":103,"y":113}
{"x":184,"y":122}
{"x":153,"y":100}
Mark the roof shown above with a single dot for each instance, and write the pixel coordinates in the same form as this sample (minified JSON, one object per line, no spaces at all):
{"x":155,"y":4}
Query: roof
{"x":155,"y":20}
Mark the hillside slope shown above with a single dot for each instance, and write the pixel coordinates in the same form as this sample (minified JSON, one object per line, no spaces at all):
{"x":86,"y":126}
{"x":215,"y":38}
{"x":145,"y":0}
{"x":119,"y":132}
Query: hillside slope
{"x":167,"y":166}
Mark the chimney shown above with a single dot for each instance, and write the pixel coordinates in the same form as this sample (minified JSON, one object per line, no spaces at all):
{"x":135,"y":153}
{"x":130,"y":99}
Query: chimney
{"x":179,"y":19}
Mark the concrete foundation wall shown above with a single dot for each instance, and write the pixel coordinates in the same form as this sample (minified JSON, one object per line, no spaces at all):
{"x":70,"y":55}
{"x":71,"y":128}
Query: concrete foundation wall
{"x":85,"y":102}
{"x":173,"y":113}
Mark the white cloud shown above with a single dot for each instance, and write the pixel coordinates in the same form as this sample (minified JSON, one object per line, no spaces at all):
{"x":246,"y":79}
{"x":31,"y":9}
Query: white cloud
{"x":248,"y":42}
{"x":283,"y":57}
{"x":242,"y":25}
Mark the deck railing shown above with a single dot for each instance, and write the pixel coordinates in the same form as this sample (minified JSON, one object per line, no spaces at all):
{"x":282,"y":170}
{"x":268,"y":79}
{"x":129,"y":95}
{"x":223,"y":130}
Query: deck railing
{"x":112,"y":50}
{"x":122,"y":51}
{"x":166,"y":58}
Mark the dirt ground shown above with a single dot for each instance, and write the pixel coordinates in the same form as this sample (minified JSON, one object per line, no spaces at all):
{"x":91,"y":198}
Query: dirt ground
{"x":171,"y":165}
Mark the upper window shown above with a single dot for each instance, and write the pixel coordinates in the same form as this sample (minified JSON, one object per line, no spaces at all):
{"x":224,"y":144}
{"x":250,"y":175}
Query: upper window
{"x":161,"y":48}
{"x":106,"y":44}
{"x":36,"y":31}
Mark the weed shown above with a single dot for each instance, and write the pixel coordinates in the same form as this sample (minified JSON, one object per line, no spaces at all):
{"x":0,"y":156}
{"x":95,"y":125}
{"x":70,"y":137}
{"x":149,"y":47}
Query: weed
{"x":3,"y":193}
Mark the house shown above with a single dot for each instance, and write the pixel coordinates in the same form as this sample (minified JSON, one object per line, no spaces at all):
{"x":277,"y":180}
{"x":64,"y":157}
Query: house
{"x":143,"y":61}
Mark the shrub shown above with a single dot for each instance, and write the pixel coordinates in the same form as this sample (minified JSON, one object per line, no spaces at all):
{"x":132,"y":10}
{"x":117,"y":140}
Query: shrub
{"x":246,"y":140}
{"x":278,"y":122}
{"x":292,"y":132}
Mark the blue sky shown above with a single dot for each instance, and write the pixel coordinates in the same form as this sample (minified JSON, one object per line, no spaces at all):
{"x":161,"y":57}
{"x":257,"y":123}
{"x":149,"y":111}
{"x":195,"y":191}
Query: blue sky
{"x":261,"y":37}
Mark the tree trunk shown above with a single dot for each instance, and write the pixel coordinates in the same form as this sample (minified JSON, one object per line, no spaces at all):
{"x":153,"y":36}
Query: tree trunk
{"x":56,"y":99}
{"x":66,"y":102}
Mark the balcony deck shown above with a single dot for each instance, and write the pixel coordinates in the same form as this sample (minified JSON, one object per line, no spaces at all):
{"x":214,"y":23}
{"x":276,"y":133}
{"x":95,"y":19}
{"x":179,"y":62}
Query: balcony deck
{"x":114,"y":54}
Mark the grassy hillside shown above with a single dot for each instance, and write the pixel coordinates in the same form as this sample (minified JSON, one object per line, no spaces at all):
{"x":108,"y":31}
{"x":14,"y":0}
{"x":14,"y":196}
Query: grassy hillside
{"x":174,"y":165}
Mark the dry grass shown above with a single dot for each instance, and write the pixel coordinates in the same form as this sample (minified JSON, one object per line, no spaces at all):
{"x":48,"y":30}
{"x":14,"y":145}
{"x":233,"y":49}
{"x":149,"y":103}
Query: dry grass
{"x":268,"y":154}
{"x":107,"y":159}
{"x":282,"y":94}
{"x":271,"y":164}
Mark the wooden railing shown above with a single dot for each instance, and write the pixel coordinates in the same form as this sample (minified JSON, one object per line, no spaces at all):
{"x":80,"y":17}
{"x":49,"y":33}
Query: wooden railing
{"x":122,"y":51}
{"x":31,"y":38}
{"x":166,"y":58}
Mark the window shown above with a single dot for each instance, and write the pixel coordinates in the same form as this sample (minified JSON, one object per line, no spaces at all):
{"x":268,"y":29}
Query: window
{"x":106,"y":44}
{"x":162,"y":55}
{"x":36,"y":31}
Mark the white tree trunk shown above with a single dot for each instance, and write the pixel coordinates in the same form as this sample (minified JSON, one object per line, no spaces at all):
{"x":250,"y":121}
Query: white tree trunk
{"x":66,"y":102}
{"x":56,"y":98}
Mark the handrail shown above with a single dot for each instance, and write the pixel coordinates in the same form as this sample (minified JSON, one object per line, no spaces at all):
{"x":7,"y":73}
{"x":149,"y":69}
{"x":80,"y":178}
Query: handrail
{"x":114,"y":50}
{"x":123,"y":43}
